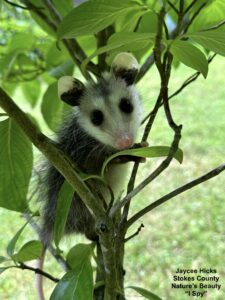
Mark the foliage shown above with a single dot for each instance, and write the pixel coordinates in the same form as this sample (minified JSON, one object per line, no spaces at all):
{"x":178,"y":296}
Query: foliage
{"x":36,"y":51}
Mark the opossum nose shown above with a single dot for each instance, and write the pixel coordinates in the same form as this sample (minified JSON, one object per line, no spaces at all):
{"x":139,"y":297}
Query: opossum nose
{"x":124,"y":142}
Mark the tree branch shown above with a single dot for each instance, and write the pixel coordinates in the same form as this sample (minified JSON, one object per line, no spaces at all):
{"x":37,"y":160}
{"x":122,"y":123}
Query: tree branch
{"x":189,"y":80}
{"x":49,"y":148}
{"x":145,"y":67}
{"x":190,"y":6}
{"x":173,"y":6}
{"x":16,"y":5}
{"x":37,"y":271}
{"x":134,"y":234}
{"x":76,"y":52}
{"x":164,"y":70}
{"x":176,"y":192}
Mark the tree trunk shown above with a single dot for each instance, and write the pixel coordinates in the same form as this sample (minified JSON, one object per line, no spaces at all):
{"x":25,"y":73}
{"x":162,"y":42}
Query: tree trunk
{"x":110,"y":256}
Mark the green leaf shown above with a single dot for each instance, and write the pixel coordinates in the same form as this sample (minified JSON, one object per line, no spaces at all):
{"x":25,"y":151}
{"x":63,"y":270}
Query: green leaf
{"x":21,"y":41}
{"x":212,"y":14}
{"x":15,"y":166}
{"x":65,"y":68}
{"x":213,"y":40}
{"x":75,"y":284}
{"x":148,"y":23}
{"x":129,"y":21}
{"x":155,"y":151}
{"x":29,"y":251}
{"x":3,"y":259}
{"x":145,"y":293}
{"x":63,"y":7}
{"x":39,"y":4}
{"x":11,"y":246}
{"x":78,"y":254}
{"x":31,"y":91}
{"x":56,"y":56}
{"x":89,"y":43}
{"x":6,"y":63}
{"x":93,"y":16}
{"x":52,"y":107}
{"x":190,"y":55}
{"x":123,"y":41}
{"x":62,"y":209}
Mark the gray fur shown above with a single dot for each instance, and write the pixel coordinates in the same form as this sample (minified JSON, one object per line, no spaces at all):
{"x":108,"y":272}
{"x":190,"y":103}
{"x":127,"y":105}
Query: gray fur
{"x":88,"y":150}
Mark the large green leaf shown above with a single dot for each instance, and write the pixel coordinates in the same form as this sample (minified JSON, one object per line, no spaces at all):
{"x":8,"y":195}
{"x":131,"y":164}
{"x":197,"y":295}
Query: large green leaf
{"x":93,"y":16}
{"x":16,"y":159}
{"x":52,"y":107}
{"x":63,"y":205}
{"x":65,"y":68}
{"x":63,"y":7}
{"x":145,"y":293}
{"x":56,"y":56}
{"x":78,"y":254}
{"x":213,"y":40}
{"x":31,"y":91}
{"x":75,"y":284}
{"x":130,"y":20}
{"x":29,"y":251}
{"x":148,"y":23}
{"x":12,"y":244}
{"x":155,"y":151}
{"x":123,"y":41}
{"x":213,"y":13}
{"x":39,"y":20}
{"x":190,"y":55}
{"x":21,"y":41}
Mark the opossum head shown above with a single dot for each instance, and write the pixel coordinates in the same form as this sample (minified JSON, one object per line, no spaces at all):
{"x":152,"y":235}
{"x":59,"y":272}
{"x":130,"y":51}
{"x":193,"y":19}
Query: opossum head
{"x":110,"y":110}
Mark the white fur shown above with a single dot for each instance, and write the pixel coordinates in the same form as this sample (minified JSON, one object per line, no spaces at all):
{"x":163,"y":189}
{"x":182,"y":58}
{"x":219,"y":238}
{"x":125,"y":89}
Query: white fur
{"x":125,"y":60}
{"x":65,"y":84}
{"x":116,"y":123}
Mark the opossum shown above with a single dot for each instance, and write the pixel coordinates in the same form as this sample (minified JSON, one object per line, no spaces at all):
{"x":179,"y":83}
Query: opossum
{"x":105,"y":118}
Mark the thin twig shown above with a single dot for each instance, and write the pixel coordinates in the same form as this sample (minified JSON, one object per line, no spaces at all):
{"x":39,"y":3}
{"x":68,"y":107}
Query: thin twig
{"x":190,"y":79}
{"x":164,"y":71}
{"x":215,"y":26}
{"x":16,"y":5}
{"x":150,"y":178}
{"x":173,"y":6}
{"x":134,"y":234}
{"x":37,"y":271}
{"x":149,"y":62}
{"x":194,"y":17}
{"x":190,"y":6}
{"x":176,"y":192}
{"x":74,"y":49}
{"x":131,"y":183}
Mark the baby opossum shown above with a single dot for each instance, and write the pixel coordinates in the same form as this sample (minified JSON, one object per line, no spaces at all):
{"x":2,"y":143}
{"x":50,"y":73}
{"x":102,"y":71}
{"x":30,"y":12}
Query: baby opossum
{"x":105,"y":119}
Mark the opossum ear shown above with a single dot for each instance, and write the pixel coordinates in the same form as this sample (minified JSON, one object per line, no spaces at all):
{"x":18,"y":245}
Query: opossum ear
{"x":126,"y":67}
{"x":70,"y":90}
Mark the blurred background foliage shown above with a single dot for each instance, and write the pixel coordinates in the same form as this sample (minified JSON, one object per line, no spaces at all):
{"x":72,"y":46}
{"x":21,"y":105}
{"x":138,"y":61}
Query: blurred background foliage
{"x":187,"y":232}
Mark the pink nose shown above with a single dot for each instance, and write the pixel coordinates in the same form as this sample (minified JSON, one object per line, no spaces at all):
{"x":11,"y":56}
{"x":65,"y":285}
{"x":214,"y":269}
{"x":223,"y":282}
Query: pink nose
{"x":124,"y":142}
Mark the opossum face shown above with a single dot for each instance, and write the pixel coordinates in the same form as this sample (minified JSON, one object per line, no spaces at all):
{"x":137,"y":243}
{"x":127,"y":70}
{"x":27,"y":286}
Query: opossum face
{"x":110,"y":110}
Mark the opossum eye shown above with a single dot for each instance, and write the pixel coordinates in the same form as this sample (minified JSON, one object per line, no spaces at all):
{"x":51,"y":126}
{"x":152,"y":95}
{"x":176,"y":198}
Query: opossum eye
{"x":97,"y":117}
{"x":125,"y":106}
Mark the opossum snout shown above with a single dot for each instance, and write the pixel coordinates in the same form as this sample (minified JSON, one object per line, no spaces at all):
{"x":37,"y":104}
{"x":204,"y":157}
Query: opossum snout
{"x":124,"y":141}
